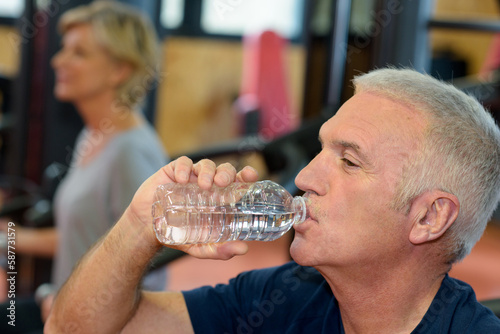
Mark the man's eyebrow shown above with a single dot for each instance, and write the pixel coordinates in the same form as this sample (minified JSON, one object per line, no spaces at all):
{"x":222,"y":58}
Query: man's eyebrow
{"x":347,"y":144}
{"x":355,"y":147}
{"x":342,"y":143}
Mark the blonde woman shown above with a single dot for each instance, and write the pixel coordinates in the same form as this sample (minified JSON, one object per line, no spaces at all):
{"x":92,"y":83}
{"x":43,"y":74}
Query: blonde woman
{"x":106,"y":65}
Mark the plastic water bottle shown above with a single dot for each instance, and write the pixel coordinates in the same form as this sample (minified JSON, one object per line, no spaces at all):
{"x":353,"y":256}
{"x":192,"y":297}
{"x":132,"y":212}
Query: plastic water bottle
{"x":187,"y":214}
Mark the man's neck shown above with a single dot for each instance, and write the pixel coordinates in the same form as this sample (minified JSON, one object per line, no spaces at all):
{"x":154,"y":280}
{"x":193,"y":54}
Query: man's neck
{"x":384,"y":301}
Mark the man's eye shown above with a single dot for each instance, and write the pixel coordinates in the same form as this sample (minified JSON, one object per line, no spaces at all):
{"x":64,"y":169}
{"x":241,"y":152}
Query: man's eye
{"x":349,"y":163}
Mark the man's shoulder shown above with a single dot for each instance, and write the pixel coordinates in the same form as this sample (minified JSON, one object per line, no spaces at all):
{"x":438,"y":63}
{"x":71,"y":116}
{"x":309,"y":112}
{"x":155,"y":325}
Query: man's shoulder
{"x":480,"y":315}
{"x":455,"y":309}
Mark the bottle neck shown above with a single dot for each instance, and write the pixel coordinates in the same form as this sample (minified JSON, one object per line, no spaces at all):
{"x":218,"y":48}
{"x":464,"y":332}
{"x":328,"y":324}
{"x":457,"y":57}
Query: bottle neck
{"x":299,"y":207}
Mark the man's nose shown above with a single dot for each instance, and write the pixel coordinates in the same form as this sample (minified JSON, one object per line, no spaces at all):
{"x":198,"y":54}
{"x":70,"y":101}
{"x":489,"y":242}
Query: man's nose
{"x":311,"y":178}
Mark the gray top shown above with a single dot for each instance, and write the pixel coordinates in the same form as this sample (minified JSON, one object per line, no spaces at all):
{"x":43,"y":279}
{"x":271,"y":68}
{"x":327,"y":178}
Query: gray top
{"x":92,"y":197}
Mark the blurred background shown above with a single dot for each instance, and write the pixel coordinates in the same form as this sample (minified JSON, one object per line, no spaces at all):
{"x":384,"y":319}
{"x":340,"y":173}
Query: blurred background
{"x":248,"y":81}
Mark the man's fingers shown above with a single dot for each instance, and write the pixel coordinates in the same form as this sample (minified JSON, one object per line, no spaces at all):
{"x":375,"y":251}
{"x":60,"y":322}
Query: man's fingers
{"x":215,"y":251}
{"x":247,"y":174}
{"x":205,"y":171}
{"x":230,"y":249}
{"x":179,"y":170}
{"x":225,"y":174}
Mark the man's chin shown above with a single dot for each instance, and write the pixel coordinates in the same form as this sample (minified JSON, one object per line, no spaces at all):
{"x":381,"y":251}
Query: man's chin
{"x":298,"y":251}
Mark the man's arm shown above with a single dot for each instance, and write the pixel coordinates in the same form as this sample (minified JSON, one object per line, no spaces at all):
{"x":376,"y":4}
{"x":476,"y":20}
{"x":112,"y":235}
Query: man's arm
{"x":102,"y":295}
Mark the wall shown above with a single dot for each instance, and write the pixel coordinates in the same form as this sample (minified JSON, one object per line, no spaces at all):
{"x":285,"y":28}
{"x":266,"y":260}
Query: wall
{"x":201,"y":79}
{"x":9,"y":58}
{"x":471,"y":46}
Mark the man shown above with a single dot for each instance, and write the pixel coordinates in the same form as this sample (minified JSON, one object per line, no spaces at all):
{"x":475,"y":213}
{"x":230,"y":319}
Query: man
{"x":407,"y":178}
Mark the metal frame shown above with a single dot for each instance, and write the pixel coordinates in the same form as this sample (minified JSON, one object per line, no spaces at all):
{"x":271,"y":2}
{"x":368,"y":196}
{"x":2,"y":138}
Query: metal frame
{"x":403,"y":39}
{"x":341,"y":12}
{"x":487,"y":26}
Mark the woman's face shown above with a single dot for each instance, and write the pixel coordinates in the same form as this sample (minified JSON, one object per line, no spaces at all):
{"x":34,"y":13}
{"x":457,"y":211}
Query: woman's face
{"x":84,"y":70}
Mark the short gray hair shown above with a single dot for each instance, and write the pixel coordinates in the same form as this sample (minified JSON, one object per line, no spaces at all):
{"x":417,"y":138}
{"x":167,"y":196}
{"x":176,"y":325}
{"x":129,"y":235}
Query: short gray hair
{"x":128,"y":36}
{"x":460,"y":153}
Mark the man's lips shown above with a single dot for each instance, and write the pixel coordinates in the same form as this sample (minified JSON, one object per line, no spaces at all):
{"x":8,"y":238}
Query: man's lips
{"x":310,"y":219}
{"x":309,"y":214}
{"x":309,"y":208}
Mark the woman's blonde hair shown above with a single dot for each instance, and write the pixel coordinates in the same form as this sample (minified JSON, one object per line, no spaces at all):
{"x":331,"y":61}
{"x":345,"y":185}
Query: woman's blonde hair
{"x":128,"y":36}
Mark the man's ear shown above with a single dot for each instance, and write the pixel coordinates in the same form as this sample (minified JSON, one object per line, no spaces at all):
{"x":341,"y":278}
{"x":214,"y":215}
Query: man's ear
{"x":433,"y":213}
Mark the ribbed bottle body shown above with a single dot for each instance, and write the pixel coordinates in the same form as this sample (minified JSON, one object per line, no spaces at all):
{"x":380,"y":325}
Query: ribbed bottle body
{"x":186,"y":214}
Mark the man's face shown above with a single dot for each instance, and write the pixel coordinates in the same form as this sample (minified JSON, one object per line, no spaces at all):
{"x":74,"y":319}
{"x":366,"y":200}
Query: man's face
{"x":351,"y":184}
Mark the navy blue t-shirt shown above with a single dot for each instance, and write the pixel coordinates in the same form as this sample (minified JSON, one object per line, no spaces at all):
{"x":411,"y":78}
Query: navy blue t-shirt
{"x":296,"y":299}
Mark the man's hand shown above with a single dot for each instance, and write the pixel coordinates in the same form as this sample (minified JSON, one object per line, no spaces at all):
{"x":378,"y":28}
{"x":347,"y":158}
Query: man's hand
{"x":102,"y":295}
{"x":205,"y":173}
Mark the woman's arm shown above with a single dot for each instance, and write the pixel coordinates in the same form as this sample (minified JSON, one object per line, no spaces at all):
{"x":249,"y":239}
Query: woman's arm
{"x":33,"y":241}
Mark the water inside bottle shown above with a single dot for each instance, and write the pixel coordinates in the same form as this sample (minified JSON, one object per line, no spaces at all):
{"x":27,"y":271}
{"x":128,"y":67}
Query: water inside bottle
{"x":189,"y":225}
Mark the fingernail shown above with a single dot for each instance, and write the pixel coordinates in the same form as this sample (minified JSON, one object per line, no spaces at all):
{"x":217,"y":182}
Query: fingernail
{"x":206,"y":180}
{"x":224,"y":177}
{"x":251,"y":168}
{"x":183,"y":176}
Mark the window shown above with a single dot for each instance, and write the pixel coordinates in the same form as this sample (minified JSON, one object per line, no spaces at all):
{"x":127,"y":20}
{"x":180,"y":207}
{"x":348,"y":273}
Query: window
{"x":172,"y":12}
{"x":11,"y":8}
{"x":465,"y":39}
{"x":238,"y":17}
{"x":232,"y":19}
